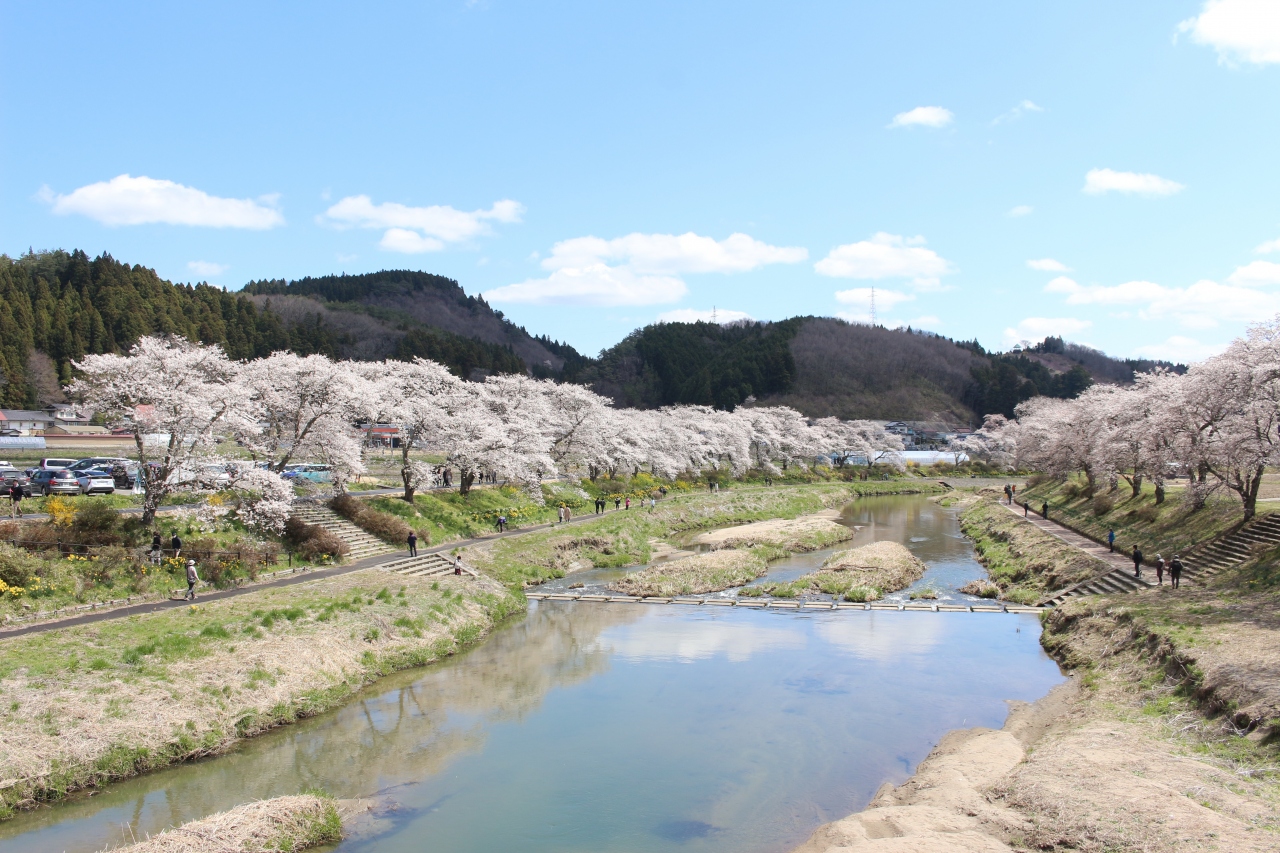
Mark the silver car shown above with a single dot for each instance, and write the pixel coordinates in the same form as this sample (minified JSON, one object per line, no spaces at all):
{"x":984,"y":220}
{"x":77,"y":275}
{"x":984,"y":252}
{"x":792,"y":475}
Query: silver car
{"x":93,"y":480}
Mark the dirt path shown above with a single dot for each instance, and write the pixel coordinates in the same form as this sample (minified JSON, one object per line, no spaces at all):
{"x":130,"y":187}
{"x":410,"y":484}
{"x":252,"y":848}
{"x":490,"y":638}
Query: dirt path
{"x":1075,"y":540}
{"x":302,"y":576}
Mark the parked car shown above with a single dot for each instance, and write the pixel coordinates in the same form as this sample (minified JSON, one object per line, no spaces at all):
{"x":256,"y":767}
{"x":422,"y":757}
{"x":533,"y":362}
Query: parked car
{"x":118,"y":466}
{"x":10,"y":432}
{"x":93,"y":480}
{"x":10,"y":475}
{"x":308,"y":471}
{"x":54,"y":481}
{"x":56,"y":464}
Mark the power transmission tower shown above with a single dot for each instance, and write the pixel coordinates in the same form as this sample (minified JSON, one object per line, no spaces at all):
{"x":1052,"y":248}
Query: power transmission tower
{"x":873,"y":306}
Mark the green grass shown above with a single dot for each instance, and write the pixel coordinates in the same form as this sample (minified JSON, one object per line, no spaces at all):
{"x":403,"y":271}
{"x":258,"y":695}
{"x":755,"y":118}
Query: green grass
{"x":1166,"y":528}
{"x":450,"y":516}
{"x":621,"y":538}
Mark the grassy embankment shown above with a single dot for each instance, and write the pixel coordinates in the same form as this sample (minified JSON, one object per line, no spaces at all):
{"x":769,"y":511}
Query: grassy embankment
{"x":702,"y":573}
{"x":83,"y":705}
{"x":1025,"y":563}
{"x":1167,"y":528}
{"x":859,"y":574}
{"x":625,"y":538}
{"x":278,"y":825}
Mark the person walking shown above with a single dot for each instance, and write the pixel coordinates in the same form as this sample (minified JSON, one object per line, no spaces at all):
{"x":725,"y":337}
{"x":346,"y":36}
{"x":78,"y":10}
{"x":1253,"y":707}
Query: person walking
{"x":1111,"y":541}
{"x":1175,"y":571}
{"x":457,"y":565}
{"x":1026,"y":507}
{"x":1008,"y":494}
{"x":157,"y":547}
{"x":628,"y":502}
{"x":560,"y":514}
{"x":192,"y":578}
{"x":1159,"y":570}
{"x":617,"y":503}
{"x":653,"y":504}
{"x":15,"y":500}
{"x":176,"y":544}
{"x":1044,"y":510}
{"x":1137,"y":561}
{"x":1013,"y":490}
{"x":413,"y":544}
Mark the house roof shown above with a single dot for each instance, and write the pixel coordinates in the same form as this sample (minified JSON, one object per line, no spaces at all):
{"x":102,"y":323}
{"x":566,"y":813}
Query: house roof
{"x":24,"y":415}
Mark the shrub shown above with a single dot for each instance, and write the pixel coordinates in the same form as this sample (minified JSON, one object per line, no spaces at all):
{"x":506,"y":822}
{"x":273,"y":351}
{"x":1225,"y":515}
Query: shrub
{"x":94,"y":523}
{"x":981,"y":588}
{"x":1148,"y":513}
{"x":17,"y":567}
{"x":861,"y":593}
{"x":1103,"y":504}
{"x":320,"y":544}
{"x":384,"y":525}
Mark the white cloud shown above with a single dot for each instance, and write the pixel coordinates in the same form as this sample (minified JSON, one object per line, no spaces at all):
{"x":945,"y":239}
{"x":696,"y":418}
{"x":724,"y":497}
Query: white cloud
{"x":1018,"y":112}
{"x":673,"y":253}
{"x":408,"y":242}
{"x":126,"y":200}
{"x":1268,"y":247}
{"x":1047,"y":265}
{"x":1256,"y":273}
{"x":1179,"y":349}
{"x":419,"y":229}
{"x":1199,"y":306}
{"x":598,"y":284}
{"x":1039,"y":328}
{"x":1099,"y":181}
{"x":207,"y":268}
{"x":1020,"y":210}
{"x":1240,"y":30}
{"x":923,"y":116}
{"x":692,"y":315}
{"x":885,"y":256}
{"x":644,"y":268}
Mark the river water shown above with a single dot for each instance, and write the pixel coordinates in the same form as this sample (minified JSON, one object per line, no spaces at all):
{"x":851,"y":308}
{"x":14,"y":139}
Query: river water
{"x":603,"y":727}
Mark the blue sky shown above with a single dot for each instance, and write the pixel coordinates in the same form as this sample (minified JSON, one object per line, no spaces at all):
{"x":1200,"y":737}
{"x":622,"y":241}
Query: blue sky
{"x":1001,"y":171}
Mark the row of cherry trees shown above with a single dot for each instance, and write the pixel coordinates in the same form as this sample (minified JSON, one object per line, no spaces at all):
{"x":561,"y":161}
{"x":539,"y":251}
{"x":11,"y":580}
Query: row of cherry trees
{"x":1218,"y":425}
{"x":182,"y":400}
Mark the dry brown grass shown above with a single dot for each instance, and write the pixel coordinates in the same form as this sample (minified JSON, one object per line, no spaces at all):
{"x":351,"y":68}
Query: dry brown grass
{"x":808,"y":533}
{"x":91,"y":703}
{"x":886,"y":566}
{"x":284,"y":824}
{"x":702,"y":573}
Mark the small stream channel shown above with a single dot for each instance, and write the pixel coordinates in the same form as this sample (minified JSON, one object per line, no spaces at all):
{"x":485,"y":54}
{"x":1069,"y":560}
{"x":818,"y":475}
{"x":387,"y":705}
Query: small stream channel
{"x":624,"y":726}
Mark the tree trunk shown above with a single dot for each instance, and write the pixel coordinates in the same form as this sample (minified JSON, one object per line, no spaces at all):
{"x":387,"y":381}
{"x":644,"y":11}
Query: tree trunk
{"x":1249,"y":495}
{"x":1136,"y":484}
{"x":406,"y":473}
{"x":1159,"y":492}
{"x":465,"y":479}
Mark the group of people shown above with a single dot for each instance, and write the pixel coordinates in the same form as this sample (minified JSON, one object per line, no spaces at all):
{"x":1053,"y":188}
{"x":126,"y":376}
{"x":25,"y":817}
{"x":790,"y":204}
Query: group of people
{"x":1173,"y":567}
{"x":175,"y":544}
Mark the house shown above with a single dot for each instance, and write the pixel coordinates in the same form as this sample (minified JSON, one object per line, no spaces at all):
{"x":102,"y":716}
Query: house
{"x":66,"y":413}
{"x":76,"y":429}
{"x":25,"y":421}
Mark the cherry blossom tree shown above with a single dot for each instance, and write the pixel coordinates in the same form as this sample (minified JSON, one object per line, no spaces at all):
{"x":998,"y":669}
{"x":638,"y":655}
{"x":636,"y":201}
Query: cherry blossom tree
{"x":995,"y":443}
{"x":174,"y":397}
{"x":420,"y":397}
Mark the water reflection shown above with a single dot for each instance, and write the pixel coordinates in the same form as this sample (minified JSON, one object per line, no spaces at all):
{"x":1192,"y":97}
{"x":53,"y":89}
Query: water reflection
{"x":621,"y":727}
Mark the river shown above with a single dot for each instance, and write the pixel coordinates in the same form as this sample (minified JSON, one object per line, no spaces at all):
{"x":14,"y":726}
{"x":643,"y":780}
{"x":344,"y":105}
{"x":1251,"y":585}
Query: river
{"x":605,"y":727}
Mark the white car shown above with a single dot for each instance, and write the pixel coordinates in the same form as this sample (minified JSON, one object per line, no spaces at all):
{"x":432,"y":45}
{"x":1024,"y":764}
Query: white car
{"x":93,"y":480}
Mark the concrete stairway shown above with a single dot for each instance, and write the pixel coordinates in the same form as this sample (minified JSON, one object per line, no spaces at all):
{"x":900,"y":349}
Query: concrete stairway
{"x":422,"y":566}
{"x":1199,"y":564}
{"x":360,"y":543}
{"x":1208,"y":559}
{"x":1114,"y":581}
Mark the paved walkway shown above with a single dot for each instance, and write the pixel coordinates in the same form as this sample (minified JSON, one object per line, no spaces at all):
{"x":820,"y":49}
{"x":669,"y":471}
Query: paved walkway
{"x":1116,"y":560}
{"x":301,"y":576}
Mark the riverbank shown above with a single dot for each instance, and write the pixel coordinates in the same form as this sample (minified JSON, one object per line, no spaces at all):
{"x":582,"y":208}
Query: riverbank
{"x":625,"y":538}
{"x":278,"y":825}
{"x":85,"y":705}
{"x":1168,"y":740}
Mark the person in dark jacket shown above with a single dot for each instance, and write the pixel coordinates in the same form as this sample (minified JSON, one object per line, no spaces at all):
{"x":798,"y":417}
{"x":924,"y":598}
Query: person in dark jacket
{"x":413,"y":544}
{"x":157,"y":547}
{"x":1137,"y":561}
{"x":176,"y":544}
{"x":1175,"y":571}
{"x":15,"y":495}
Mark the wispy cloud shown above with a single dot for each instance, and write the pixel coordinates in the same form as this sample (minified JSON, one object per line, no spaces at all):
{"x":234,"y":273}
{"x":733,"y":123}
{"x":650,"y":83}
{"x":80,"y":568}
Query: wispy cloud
{"x":413,"y":230}
{"x":1047,"y":265}
{"x":1020,"y":210}
{"x":1018,"y":112}
{"x":1100,"y":181}
{"x":923,"y":117}
{"x":126,"y":200}
{"x":207,"y":268}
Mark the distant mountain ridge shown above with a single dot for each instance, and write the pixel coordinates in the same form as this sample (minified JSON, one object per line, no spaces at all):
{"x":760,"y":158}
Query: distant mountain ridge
{"x":56,"y":307}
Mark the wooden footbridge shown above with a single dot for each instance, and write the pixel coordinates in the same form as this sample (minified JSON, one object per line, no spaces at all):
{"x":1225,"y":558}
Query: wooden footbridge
{"x":784,"y":604}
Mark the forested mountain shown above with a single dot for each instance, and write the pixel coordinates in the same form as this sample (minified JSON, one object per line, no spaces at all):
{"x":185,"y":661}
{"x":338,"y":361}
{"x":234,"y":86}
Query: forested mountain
{"x":56,"y":307}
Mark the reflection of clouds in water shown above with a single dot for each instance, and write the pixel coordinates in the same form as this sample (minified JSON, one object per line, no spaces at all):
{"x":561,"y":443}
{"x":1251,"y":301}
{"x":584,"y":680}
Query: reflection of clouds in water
{"x":883,"y":637}
{"x":687,"y":641}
